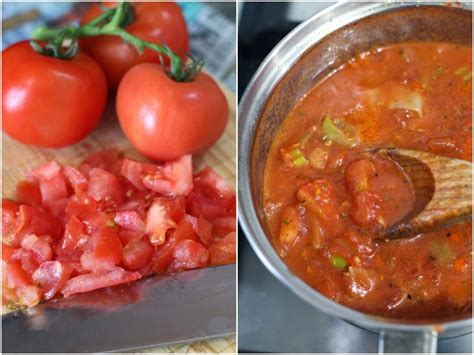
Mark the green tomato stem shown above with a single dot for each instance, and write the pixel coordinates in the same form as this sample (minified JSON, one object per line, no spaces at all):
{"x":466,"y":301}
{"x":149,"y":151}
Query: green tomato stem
{"x":177,"y":70}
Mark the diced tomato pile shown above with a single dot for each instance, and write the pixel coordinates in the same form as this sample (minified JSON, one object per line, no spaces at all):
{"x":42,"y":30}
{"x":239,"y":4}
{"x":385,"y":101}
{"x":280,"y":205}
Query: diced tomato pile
{"x":111,"y":221}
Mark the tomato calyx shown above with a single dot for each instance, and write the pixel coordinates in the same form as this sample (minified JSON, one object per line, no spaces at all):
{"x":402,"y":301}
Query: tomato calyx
{"x":111,"y":23}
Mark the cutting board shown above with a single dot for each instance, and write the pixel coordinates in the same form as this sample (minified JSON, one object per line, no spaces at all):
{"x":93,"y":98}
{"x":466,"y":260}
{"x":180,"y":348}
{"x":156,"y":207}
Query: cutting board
{"x":18,"y":158}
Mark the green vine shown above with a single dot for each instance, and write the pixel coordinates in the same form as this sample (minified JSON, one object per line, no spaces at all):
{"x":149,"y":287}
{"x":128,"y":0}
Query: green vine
{"x":110,"y":22}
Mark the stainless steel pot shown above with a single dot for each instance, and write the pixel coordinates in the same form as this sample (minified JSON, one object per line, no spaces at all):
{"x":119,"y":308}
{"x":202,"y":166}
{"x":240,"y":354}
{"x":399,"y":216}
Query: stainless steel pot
{"x":307,"y":54}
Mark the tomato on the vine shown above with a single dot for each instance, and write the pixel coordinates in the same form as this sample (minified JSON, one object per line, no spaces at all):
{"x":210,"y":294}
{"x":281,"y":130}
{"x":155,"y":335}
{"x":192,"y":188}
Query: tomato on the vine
{"x":50,"y":102}
{"x":165,"y":119}
{"x":156,"y":22}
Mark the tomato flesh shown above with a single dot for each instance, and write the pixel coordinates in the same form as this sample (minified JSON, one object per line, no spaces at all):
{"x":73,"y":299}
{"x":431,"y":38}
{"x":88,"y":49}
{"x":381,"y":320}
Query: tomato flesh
{"x":109,"y":221}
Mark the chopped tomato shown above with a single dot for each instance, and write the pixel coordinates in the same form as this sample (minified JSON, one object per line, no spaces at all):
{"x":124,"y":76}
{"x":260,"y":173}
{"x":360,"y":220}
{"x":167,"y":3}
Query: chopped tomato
{"x":74,"y":240}
{"x":28,"y":192}
{"x":137,"y":254}
{"x":164,"y":254}
{"x":224,"y":225}
{"x":211,"y":179}
{"x":81,"y":205}
{"x":204,"y":230}
{"x":51,"y":276}
{"x":7,"y":252}
{"x":51,"y":182}
{"x":31,"y":220}
{"x":104,"y":251}
{"x":223,"y":251}
{"x":89,"y":282}
{"x":9,"y":216}
{"x":104,"y":186}
{"x":358,"y":175}
{"x":132,"y":170}
{"x":207,"y":201}
{"x":158,"y":221}
{"x":18,"y":280}
{"x":366,"y":206}
{"x":189,"y":254}
{"x":130,"y":220}
{"x":173,"y":178}
{"x":76,"y":178}
{"x":111,"y":221}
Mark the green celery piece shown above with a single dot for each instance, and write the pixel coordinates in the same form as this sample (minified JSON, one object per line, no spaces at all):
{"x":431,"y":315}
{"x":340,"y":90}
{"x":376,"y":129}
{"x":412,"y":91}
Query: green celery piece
{"x":338,"y":262}
{"x":335,"y":134}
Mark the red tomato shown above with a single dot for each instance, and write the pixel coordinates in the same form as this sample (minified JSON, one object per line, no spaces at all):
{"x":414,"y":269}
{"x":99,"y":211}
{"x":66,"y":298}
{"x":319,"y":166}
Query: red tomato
{"x":137,"y":253}
{"x":164,"y":119}
{"x":89,"y":282}
{"x":50,"y":102}
{"x":160,"y":23}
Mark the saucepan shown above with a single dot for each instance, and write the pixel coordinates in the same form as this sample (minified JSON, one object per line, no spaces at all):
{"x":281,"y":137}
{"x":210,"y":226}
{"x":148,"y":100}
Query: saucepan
{"x":307,"y":54}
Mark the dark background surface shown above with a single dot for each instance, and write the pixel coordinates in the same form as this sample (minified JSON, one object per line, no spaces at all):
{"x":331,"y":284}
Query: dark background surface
{"x":271,"y":317}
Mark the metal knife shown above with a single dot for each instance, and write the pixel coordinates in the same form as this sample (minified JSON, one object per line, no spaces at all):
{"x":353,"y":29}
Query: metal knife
{"x":185,"y":307}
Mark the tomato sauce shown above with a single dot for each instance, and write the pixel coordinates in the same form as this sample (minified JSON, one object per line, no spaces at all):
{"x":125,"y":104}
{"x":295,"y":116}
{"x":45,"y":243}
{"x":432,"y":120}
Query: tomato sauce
{"x":328,"y":197}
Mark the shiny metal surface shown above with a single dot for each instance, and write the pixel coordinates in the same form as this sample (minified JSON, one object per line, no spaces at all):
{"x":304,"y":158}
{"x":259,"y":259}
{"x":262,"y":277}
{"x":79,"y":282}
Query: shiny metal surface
{"x":273,"y":69}
{"x":189,"y":306}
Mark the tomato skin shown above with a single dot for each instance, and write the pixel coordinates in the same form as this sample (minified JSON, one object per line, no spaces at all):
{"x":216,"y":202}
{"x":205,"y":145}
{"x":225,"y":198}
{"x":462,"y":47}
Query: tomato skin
{"x":50,"y":102}
{"x":159,"y":22}
{"x":164,"y":119}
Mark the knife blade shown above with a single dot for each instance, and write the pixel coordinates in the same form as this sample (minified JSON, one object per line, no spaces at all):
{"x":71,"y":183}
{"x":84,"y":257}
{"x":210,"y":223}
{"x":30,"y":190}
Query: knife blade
{"x":185,"y":307}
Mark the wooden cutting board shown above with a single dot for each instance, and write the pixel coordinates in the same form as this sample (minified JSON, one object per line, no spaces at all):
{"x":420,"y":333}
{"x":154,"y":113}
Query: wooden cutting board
{"x":18,"y":158}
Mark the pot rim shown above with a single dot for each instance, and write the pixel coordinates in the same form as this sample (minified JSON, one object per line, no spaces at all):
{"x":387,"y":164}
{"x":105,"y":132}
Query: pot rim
{"x":264,"y":81}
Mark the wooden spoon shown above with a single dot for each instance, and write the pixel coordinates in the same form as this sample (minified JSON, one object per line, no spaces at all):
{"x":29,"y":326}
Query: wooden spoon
{"x":442,"y":188}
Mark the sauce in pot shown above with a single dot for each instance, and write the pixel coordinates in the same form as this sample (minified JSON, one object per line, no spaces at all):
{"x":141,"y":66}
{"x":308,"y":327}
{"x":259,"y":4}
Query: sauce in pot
{"x":327,"y":196}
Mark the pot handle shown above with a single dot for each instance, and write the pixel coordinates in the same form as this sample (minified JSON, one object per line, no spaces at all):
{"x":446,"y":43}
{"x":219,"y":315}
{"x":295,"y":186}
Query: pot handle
{"x":408,"y":342}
